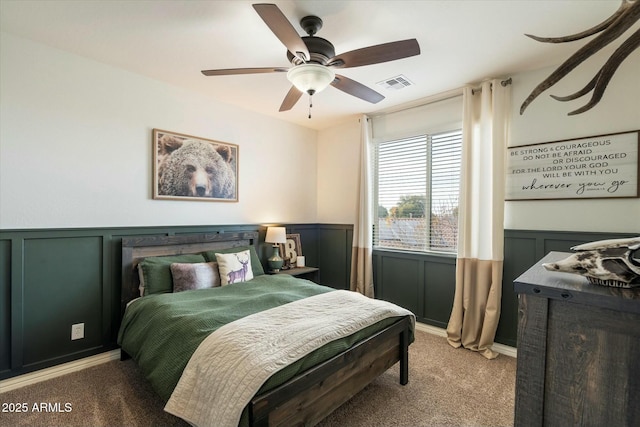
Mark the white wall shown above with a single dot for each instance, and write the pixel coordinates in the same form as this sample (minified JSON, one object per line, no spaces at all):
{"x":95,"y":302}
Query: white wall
{"x":338,"y":171}
{"x":76,"y":151}
{"x":545,"y":120}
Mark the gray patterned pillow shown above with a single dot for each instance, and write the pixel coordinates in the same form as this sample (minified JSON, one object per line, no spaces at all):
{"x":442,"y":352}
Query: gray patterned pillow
{"x":187,"y":276}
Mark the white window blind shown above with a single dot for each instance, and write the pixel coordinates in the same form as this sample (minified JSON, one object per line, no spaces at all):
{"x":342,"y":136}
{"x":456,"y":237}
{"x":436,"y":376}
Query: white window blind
{"x":416,"y":183}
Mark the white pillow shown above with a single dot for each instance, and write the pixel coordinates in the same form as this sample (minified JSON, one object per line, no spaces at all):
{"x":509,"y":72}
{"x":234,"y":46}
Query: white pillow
{"x":188,"y":276}
{"x":234,"y":267}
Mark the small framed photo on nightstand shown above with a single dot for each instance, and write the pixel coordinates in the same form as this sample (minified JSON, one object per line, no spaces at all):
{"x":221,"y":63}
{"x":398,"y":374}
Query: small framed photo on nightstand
{"x":290,"y":250}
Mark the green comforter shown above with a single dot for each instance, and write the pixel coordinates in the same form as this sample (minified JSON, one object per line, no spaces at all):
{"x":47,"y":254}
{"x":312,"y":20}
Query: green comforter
{"x":161,"y":332}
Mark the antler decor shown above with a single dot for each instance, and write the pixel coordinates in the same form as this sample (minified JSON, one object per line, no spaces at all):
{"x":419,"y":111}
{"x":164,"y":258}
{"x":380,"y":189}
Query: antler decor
{"x":626,"y":15}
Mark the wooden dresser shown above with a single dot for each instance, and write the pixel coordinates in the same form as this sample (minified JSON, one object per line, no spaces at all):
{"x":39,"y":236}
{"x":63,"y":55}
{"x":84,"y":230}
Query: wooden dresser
{"x":578,"y":351}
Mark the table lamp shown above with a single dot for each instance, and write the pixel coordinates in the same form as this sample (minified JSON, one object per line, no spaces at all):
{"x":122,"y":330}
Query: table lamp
{"x":275,"y":235}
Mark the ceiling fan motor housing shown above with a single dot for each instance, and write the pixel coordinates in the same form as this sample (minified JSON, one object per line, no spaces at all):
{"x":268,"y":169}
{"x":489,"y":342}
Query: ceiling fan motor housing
{"x":321,"y":51}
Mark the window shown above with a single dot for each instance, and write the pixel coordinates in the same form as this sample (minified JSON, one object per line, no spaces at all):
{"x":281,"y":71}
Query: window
{"x":416,"y":186}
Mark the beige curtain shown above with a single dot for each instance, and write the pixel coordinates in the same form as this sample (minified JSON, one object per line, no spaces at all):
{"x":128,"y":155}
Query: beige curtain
{"x":476,"y":306}
{"x":361,"y":268}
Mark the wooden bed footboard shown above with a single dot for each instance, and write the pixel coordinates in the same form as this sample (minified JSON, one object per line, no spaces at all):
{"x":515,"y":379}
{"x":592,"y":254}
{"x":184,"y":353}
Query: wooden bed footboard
{"x":309,"y":397}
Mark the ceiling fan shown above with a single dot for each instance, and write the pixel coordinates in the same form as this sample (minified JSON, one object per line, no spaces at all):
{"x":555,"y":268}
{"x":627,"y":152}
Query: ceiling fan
{"x":313,"y":59}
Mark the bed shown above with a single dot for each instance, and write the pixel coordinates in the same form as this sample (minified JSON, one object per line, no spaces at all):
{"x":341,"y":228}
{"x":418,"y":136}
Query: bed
{"x":304,"y":391}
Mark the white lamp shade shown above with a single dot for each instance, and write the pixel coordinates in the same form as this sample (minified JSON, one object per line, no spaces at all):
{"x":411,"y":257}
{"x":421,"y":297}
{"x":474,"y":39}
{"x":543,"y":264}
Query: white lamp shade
{"x":311,"y":77}
{"x":276,"y":235}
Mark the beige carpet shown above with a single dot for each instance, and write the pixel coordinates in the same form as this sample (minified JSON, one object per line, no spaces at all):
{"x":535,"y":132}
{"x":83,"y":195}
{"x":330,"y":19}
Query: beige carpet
{"x":447,"y":387}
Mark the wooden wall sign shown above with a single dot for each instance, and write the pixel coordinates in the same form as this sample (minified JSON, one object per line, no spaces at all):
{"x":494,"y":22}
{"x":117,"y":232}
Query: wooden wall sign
{"x":603,"y":166}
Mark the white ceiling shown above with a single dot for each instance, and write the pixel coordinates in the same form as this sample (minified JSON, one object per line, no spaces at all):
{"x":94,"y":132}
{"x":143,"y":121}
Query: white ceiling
{"x":172,"y":41}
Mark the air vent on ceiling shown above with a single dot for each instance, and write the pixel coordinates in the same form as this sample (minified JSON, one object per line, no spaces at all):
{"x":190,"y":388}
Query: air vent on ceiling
{"x":395,"y":83}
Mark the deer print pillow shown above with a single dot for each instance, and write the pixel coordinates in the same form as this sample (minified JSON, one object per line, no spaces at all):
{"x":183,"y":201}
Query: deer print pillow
{"x":256,"y":265}
{"x":234,"y":267}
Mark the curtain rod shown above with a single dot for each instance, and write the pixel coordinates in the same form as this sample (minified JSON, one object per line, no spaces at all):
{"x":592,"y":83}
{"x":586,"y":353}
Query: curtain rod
{"x":503,"y":83}
{"x":433,"y":99}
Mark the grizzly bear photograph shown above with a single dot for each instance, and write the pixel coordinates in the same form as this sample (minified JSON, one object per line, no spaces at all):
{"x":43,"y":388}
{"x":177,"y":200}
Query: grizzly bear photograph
{"x":194,"y":168}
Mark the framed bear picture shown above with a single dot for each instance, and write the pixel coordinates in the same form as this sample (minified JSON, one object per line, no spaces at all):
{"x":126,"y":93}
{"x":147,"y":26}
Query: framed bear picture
{"x":188,"y":167}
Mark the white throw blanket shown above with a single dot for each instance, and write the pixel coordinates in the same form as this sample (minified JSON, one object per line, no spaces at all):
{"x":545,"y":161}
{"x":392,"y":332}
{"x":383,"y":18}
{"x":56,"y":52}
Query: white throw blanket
{"x":231,"y":364}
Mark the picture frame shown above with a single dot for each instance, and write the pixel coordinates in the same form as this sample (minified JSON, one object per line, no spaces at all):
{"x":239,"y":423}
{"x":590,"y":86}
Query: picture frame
{"x":187,"y":167}
{"x":291,"y":249}
{"x":595,"y":167}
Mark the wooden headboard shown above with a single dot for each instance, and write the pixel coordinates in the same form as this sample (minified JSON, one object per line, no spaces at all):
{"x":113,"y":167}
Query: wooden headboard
{"x":135,"y":249}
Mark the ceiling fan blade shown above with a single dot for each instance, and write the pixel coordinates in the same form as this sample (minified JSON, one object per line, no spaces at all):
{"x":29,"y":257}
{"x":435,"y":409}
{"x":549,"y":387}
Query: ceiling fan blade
{"x":282,"y":28}
{"x":356,"y":89}
{"x":290,"y":100}
{"x":233,"y":71}
{"x":376,"y":54}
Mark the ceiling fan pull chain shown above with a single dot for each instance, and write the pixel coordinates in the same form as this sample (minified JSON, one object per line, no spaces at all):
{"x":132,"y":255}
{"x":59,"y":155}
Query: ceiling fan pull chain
{"x":310,"y":104}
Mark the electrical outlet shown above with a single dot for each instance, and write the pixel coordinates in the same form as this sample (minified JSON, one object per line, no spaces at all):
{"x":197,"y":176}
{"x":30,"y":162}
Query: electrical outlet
{"x":77,"y":331}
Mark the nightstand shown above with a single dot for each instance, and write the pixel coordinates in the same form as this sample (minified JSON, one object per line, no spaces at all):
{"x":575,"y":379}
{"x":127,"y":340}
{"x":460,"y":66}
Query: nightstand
{"x":309,"y":273}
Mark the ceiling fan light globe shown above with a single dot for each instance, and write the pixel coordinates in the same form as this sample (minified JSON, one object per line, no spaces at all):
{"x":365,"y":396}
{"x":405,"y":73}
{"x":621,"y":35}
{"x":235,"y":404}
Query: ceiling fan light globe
{"x":311,"y":78}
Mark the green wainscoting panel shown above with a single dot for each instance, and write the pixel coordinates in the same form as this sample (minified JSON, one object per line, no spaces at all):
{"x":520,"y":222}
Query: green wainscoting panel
{"x":334,"y":254}
{"x":440,"y":285}
{"x":562,"y":242}
{"x":422,"y":283}
{"x":5,"y":306}
{"x":53,"y":278}
{"x":519,"y":255}
{"x":401,"y":277}
{"x":309,"y":242}
{"x":425,"y":283}
{"x":62,"y":286}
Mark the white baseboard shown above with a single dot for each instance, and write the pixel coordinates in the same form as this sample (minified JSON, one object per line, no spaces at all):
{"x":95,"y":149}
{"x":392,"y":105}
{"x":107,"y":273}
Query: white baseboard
{"x":434,"y":330}
{"x":500,"y":348}
{"x":56,"y":371}
{"x":505,"y":349}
